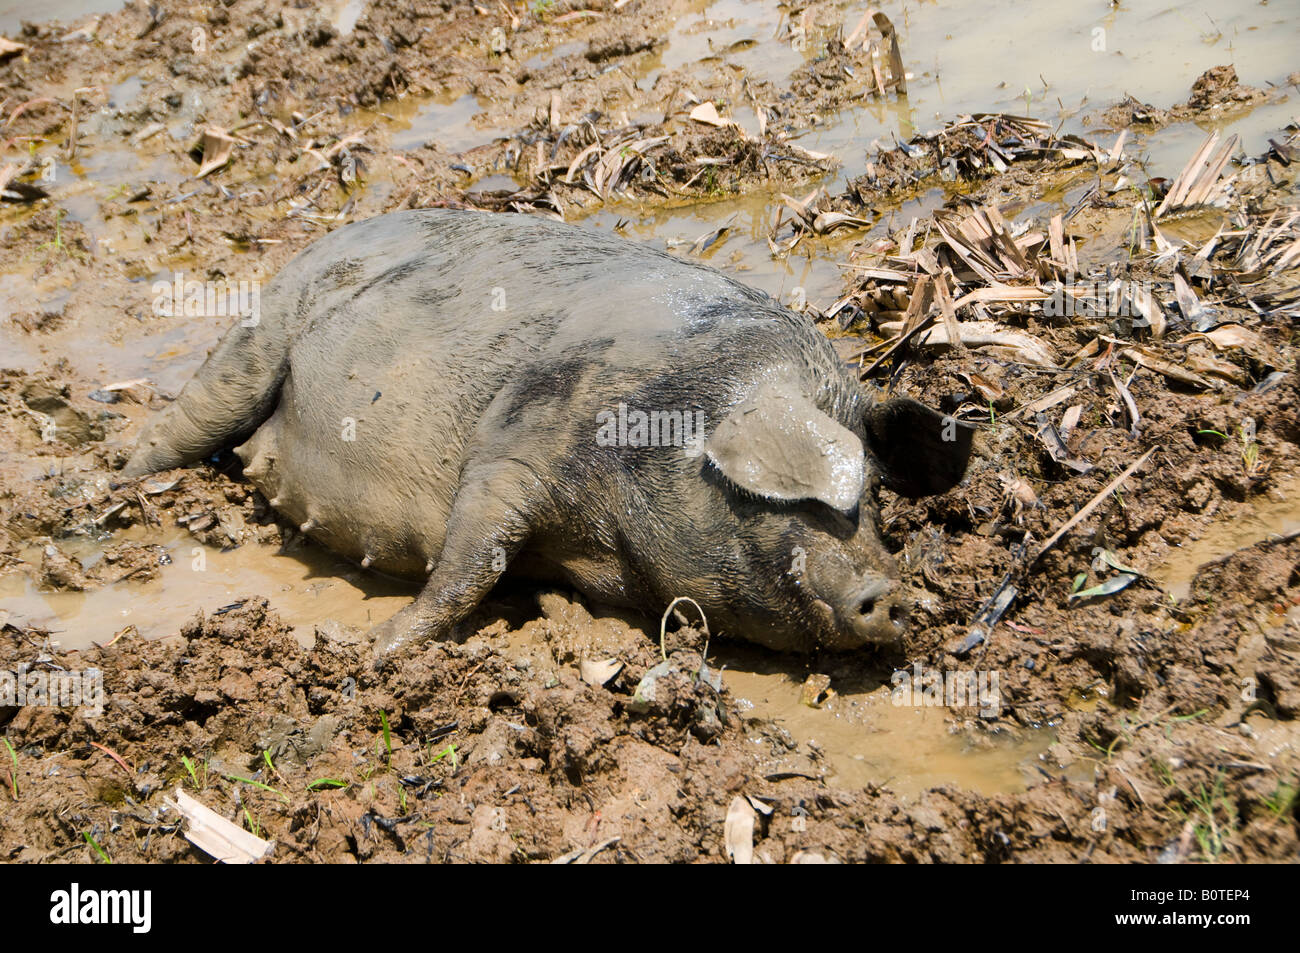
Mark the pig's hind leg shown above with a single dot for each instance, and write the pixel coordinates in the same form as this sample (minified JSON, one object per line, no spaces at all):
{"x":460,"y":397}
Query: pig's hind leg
{"x":490,"y":521}
{"x":225,"y":402}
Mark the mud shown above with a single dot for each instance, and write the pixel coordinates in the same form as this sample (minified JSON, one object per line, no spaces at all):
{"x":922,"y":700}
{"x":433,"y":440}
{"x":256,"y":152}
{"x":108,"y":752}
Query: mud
{"x":1153,"y":724}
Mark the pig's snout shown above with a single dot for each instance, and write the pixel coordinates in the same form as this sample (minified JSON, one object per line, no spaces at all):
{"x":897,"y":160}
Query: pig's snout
{"x":878,"y":609}
{"x":868,"y":609}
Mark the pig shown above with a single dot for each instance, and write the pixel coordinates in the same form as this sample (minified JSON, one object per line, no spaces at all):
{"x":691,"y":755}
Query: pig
{"x":452,"y":395}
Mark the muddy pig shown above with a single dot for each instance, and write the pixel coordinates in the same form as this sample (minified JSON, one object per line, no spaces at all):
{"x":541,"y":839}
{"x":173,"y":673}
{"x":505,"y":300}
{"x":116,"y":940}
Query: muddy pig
{"x":448,"y":395}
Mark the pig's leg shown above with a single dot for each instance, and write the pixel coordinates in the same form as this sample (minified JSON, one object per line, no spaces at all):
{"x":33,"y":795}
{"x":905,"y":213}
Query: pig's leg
{"x":488,"y":525}
{"x":223,"y":404}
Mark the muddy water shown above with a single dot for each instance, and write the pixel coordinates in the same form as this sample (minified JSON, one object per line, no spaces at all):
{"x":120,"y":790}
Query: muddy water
{"x":1060,"y":65}
{"x":867,"y":739}
{"x":449,"y":122}
{"x":1276,"y":514}
{"x":70,"y":12}
{"x":962,"y":57}
{"x":1019,"y":56}
{"x":304,"y":583}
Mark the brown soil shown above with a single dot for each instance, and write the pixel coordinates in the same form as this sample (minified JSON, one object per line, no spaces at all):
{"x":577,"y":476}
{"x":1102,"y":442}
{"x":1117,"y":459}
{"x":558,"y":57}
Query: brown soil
{"x":1175,"y":722}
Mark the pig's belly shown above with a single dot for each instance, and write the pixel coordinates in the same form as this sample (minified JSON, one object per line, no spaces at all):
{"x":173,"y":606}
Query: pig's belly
{"x":357,"y":477}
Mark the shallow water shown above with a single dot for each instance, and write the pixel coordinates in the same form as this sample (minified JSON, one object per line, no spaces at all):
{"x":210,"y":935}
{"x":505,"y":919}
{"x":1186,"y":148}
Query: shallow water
{"x":305,"y":584}
{"x":448,"y":122}
{"x":960,"y":59}
{"x":1274,"y":514}
{"x":868,"y":739}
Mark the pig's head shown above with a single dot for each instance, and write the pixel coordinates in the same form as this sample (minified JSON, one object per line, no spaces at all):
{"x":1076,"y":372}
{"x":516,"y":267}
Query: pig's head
{"x":808,"y":568}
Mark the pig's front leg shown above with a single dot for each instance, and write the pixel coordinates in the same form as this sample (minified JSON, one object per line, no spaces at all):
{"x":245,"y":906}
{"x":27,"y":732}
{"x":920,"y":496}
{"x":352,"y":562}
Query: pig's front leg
{"x":489,"y":523}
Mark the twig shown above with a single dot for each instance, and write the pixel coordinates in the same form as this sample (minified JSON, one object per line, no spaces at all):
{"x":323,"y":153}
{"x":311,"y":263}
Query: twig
{"x":1084,"y":513}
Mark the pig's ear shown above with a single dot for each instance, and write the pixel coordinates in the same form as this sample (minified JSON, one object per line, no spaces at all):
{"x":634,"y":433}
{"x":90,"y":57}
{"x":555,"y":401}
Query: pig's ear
{"x":779,"y":445}
{"x":917,"y":450}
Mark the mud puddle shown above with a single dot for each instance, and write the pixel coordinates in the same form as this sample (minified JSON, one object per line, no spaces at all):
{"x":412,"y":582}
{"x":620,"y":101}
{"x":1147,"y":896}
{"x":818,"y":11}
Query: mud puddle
{"x":739,"y":32}
{"x":1145,"y":49}
{"x":447,"y":121}
{"x":304,"y":583}
{"x":14,"y":12}
{"x":742,"y":250}
{"x":955,"y":57}
{"x":1167,"y":150}
{"x":867,"y":739}
{"x":863,"y":737}
{"x":860,"y":736}
{"x":1274,"y":514}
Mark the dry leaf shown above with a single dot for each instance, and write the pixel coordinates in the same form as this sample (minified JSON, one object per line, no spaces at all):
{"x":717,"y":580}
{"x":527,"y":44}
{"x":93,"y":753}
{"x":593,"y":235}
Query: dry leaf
{"x":1216,"y":367}
{"x":708,"y":113}
{"x":829,"y":221}
{"x":1025,"y":348}
{"x":1148,"y":360}
{"x":738,"y":831}
{"x":213,"y":834}
{"x":1235,"y":336}
{"x":217,"y":146}
{"x":599,"y":673}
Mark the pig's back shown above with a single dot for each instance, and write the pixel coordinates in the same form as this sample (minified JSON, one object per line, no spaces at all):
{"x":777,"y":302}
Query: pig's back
{"x":418,"y":333}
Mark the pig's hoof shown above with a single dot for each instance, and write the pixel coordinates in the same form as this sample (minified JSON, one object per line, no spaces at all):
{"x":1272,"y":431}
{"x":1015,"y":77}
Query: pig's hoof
{"x":386,"y":639}
{"x":406,"y":628}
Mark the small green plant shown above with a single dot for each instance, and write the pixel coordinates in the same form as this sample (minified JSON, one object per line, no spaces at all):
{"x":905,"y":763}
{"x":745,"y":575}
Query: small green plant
{"x":199,"y":785}
{"x":266,"y":756}
{"x":447,"y":752}
{"x":321,"y":783}
{"x":257,"y":784}
{"x":1213,"y":836}
{"x":1249,"y":445}
{"x":253,"y":827}
{"x":103,"y":854}
{"x":1249,"y":448}
{"x":13,"y":770}
{"x":1178,"y":719}
{"x":56,"y":244}
{"x":710,"y":180}
{"x":1212,"y":815}
{"x":1283,"y":800}
{"x":388,"y":735}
